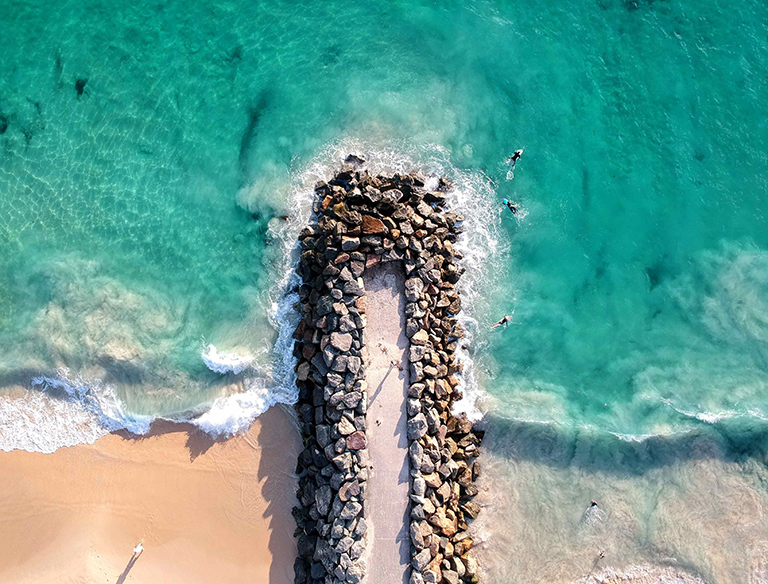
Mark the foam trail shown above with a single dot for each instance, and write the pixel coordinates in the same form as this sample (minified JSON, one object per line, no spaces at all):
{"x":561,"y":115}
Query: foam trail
{"x":226,"y":362}
{"x":100,"y":400}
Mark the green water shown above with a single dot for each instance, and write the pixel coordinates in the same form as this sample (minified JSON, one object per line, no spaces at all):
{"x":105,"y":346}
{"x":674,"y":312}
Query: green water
{"x":149,"y":213}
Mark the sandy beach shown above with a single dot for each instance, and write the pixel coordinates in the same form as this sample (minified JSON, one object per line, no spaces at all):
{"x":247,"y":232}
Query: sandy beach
{"x":206,"y":511}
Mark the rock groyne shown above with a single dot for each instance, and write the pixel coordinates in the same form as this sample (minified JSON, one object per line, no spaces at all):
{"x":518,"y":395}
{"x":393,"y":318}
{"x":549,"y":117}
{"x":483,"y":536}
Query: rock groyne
{"x":361,"y":221}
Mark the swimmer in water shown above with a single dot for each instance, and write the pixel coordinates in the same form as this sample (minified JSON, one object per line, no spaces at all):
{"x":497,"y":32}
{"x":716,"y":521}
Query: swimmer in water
{"x":503,"y":322}
{"x":510,"y":205}
{"x":515,"y":157}
{"x":593,"y":503}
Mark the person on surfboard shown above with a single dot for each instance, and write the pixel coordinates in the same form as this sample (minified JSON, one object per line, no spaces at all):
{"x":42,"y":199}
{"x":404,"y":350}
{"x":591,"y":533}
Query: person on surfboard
{"x":510,"y":205}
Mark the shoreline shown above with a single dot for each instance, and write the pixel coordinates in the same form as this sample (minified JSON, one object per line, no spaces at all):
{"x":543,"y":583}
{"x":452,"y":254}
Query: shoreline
{"x":206,"y":509}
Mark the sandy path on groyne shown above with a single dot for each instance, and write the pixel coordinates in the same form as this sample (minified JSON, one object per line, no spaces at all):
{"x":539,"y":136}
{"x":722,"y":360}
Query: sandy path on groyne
{"x":388,"y":487}
{"x":207,"y":510}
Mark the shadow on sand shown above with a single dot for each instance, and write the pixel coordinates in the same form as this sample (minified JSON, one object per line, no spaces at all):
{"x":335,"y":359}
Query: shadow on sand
{"x":128,"y":568}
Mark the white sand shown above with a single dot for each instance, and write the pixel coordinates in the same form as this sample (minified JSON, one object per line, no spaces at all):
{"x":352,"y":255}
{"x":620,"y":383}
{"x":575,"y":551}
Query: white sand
{"x":387,"y":497}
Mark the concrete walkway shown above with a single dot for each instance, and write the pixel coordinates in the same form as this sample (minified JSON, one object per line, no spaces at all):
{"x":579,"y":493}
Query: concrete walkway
{"x":387,"y":497}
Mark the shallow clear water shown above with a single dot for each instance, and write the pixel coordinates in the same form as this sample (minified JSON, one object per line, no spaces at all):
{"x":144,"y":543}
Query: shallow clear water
{"x":150,"y":214}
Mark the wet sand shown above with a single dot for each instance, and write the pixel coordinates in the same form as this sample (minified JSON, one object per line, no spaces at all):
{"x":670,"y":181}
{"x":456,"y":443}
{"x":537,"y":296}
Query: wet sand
{"x":206,"y":510}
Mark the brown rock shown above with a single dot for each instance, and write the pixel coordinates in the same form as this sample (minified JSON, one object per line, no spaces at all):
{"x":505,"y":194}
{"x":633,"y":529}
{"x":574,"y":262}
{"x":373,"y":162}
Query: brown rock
{"x":372,"y":225}
{"x":433,"y":480}
{"x":471,"y":508}
{"x":349,"y":490}
{"x":446,"y":521}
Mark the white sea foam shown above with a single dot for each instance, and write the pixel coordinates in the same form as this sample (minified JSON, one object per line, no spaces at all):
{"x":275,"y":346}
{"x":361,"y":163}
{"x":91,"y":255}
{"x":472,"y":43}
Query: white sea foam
{"x":37,"y":422}
{"x":225,"y":362}
{"x":63,"y":411}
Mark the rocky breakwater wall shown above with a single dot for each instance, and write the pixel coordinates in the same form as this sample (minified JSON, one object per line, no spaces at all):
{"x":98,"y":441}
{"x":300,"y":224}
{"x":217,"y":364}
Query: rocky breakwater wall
{"x":361,"y":221}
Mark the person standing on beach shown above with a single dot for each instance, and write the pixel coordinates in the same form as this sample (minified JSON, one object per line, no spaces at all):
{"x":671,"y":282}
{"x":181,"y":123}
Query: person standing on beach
{"x":138,"y":549}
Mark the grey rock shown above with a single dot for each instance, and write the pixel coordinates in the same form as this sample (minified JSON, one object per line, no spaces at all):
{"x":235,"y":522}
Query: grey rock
{"x":419,"y":486}
{"x":360,"y":528}
{"x":416,"y":452}
{"x":416,"y":538}
{"x":357,"y":549}
{"x":337,"y":531}
{"x":328,"y":355}
{"x":414,"y":287}
{"x":433,"y":419}
{"x":344,"y":561}
{"x":421,"y":560}
{"x":344,"y":544}
{"x":323,"y":497}
{"x":416,"y":578}
{"x":323,"y":434}
{"x":347,"y":324}
{"x":350,"y":510}
{"x":341,"y":341}
{"x":416,"y":352}
{"x":418,"y":513}
{"x":353,"y":288}
{"x":340,"y":363}
{"x":356,"y":573}
{"x":413,"y":407}
{"x":317,"y":571}
{"x":319,"y":363}
{"x":325,"y":305}
{"x":325,"y":554}
{"x":415,"y":390}
{"x":352,"y":399}
{"x":354,"y":364}
{"x":416,"y":372}
{"x":350,"y":243}
{"x":343,"y":461}
{"x":417,"y":427}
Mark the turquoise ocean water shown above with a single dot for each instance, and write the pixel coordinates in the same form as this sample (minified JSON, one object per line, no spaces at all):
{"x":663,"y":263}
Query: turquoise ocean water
{"x":157,"y":160}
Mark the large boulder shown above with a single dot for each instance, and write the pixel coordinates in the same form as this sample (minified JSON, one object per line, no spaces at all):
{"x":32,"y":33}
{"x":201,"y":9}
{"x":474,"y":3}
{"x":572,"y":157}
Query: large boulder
{"x":372,"y":225}
{"x":323,"y":498}
{"x":417,"y":427}
{"x":341,"y":341}
{"x":414,"y":287}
